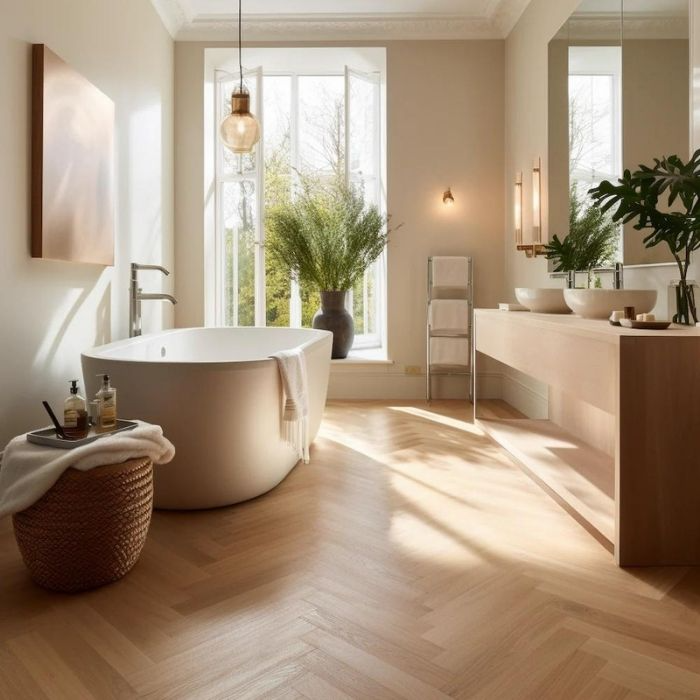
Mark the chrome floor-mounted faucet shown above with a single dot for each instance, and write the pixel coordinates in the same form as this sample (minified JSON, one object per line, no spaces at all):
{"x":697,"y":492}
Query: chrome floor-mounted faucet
{"x":136,"y":296}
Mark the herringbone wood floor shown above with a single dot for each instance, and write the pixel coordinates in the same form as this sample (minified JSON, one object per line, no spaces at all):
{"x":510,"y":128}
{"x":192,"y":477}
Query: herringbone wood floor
{"x":410,"y":559}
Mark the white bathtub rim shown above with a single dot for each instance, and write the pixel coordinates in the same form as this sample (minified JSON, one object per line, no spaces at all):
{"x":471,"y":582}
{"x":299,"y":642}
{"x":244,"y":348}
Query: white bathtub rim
{"x":98,"y":352}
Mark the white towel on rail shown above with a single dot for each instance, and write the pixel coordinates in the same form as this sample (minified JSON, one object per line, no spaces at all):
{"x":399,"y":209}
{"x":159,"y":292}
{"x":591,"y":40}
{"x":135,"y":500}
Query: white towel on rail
{"x":449,"y":352}
{"x":450,"y":271}
{"x":449,"y":315}
{"x":28,"y":471}
{"x":295,"y":414}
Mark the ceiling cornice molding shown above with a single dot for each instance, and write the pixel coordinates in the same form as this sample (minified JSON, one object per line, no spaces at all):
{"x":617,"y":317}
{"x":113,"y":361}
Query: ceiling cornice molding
{"x":502,"y":16}
{"x":334,"y":27}
{"x":507,"y":13}
{"x":636,"y":26}
{"x":172,"y":14}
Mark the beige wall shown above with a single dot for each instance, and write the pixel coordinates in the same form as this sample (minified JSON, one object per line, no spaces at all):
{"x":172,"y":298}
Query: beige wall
{"x":526,"y":137}
{"x":526,"y":127}
{"x":445,"y":121}
{"x":50,"y":311}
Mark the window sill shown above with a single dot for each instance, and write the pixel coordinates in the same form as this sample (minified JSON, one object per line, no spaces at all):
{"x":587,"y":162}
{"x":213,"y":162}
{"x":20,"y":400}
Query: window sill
{"x":371,"y":356}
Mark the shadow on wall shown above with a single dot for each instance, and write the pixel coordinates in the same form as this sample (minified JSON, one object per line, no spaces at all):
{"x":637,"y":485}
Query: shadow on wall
{"x":146,"y":240}
{"x":64,"y":313}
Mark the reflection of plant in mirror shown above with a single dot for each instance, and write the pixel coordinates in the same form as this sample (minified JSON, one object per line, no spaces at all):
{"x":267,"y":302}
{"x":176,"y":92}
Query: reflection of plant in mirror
{"x":591,"y":242}
{"x":637,"y":198}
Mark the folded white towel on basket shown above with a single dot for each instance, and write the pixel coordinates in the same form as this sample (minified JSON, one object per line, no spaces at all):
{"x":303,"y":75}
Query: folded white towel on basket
{"x":28,"y":471}
{"x":295,"y":414}
{"x":450,"y":271}
{"x":449,"y":315}
{"x":449,"y":352}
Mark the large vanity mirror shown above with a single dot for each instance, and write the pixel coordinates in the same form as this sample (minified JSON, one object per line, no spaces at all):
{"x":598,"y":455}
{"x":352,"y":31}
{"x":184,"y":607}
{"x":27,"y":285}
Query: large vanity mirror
{"x":619,"y":95}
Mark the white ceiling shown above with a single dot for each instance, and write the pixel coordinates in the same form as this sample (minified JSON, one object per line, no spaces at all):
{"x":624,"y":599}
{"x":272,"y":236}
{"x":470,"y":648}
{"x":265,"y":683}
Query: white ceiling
{"x":279,"y":20}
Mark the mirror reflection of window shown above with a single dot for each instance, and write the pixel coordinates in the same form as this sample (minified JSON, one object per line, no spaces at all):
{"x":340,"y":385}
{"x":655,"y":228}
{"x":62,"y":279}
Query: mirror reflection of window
{"x":619,"y":96}
{"x":595,"y":120}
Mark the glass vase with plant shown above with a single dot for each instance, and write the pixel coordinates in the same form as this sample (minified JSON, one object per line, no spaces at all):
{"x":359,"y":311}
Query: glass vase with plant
{"x":665,"y":200}
{"x":327,"y":236}
{"x":592,"y":240}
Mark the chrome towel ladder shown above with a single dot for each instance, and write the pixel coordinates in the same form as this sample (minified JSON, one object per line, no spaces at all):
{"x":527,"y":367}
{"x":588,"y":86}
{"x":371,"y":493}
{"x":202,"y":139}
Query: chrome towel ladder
{"x":469,"y":335}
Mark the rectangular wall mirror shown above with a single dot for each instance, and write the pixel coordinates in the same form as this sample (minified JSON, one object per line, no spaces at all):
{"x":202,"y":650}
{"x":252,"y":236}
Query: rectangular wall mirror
{"x":619,"y":95}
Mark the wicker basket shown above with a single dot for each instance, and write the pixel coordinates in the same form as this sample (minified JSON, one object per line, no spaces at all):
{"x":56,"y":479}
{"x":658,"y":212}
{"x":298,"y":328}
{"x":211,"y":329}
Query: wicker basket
{"x":89,"y":528}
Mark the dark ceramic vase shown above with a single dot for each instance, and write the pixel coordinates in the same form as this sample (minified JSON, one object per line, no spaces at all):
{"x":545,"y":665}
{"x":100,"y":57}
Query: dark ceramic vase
{"x":334,"y":317}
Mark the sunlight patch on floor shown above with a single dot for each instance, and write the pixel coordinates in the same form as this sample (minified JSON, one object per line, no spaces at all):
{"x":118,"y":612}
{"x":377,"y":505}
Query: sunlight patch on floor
{"x":421,"y":538}
{"x":438,"y":418}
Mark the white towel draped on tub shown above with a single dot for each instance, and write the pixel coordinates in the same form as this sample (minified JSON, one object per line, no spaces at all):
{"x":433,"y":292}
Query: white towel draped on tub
{"x":295,"y":415}
{"x":28,"y":471}
{"x":449,"y":315}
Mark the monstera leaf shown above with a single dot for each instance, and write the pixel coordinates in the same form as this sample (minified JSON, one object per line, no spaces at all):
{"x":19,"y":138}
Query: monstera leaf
{"x":636,"y":198}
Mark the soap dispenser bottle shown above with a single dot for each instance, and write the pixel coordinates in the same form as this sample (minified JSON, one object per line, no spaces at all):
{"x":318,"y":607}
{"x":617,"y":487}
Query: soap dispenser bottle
{"x":107,"y":399}
{"x":75,"y":417}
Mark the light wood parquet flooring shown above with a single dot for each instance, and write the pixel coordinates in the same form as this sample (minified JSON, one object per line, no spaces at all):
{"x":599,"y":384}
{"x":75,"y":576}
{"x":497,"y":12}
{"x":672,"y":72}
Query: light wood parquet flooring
{"x":410,"y":559}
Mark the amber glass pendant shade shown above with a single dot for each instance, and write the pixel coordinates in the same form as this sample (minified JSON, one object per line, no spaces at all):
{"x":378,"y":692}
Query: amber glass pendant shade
{"x":240,"y":131}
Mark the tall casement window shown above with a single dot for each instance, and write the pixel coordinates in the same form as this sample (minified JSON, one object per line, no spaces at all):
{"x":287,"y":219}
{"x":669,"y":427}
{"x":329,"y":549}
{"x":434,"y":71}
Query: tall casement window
{"x":322,"y":119}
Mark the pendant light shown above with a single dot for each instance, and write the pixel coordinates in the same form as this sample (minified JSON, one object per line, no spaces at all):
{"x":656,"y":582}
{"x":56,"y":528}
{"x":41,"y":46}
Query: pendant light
{"x":240,"y":131}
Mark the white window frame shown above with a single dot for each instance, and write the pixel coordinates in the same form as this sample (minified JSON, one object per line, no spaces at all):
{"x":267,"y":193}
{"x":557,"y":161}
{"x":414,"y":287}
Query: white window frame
{"x":362,"y":341}
{"x":221,"y":178}
{"x":616,"y":115}
{"x":376,"y":339}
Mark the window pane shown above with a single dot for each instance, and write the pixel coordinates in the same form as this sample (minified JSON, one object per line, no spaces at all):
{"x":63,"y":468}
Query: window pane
{"x":232,"y":163}
{"x":364,"y":303}
{"x":322,"y":127}
{"x":277,"y":96}
{"x":239,"y":212}
{"x":592,"y":126}
{"x":363,"y":130}
{"x":358,"y":307}
{"x":310,"y":304}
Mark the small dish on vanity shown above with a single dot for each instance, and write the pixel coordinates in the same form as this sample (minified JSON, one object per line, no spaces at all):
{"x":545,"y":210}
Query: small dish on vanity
{"x":644,"y":325}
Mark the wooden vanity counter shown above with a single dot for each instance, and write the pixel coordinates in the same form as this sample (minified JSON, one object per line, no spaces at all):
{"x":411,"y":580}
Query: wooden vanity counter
{"x":631,"y":474}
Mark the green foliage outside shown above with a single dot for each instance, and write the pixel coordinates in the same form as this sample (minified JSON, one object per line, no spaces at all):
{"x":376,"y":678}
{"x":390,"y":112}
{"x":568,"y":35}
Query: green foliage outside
{"x":592,"y":240}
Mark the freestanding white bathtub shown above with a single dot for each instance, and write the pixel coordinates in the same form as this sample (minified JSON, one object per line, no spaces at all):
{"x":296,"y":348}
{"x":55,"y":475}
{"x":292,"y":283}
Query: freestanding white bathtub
{"x":218,"y":396}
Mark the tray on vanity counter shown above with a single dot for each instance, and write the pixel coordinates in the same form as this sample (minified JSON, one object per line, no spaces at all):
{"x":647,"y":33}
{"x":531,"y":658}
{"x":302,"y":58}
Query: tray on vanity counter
{"x":48,"y":437}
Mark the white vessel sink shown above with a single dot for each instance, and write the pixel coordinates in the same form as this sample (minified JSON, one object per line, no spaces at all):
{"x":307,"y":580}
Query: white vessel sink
{"x":543,"y":301}
{"x":600,"y":303}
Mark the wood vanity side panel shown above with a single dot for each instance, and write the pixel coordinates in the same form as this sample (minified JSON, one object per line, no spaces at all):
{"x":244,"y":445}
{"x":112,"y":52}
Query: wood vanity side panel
{"x":659,"y":460}
{"x":578,"y":364}
{"x":586,"y":422}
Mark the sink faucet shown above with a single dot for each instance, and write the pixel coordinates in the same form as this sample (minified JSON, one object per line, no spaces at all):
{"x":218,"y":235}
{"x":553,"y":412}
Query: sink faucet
{"x":617,"y":273}
{"x":136,"y":296}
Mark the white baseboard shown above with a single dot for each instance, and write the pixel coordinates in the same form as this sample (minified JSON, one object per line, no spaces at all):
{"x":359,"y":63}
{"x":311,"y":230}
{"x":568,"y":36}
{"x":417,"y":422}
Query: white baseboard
{"x":388,"y":382}
{"x":529,"y":397}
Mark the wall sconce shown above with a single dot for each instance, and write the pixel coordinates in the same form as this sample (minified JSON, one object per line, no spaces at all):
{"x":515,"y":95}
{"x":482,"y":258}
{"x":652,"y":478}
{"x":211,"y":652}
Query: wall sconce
{"x":447,"y":197}
{"x":537,"y":201}
{"x":532,"y":250}
{"x":518,"y":207}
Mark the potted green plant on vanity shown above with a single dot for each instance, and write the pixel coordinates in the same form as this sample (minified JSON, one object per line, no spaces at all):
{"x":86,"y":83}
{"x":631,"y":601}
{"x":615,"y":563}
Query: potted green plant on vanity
{"x":592,"y":239}
{"x":675,"y":222}
{"x":327,"y":236}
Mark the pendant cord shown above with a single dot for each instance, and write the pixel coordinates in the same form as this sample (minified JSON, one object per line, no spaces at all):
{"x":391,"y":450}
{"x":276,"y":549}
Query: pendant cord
{"x":240,"y":47}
